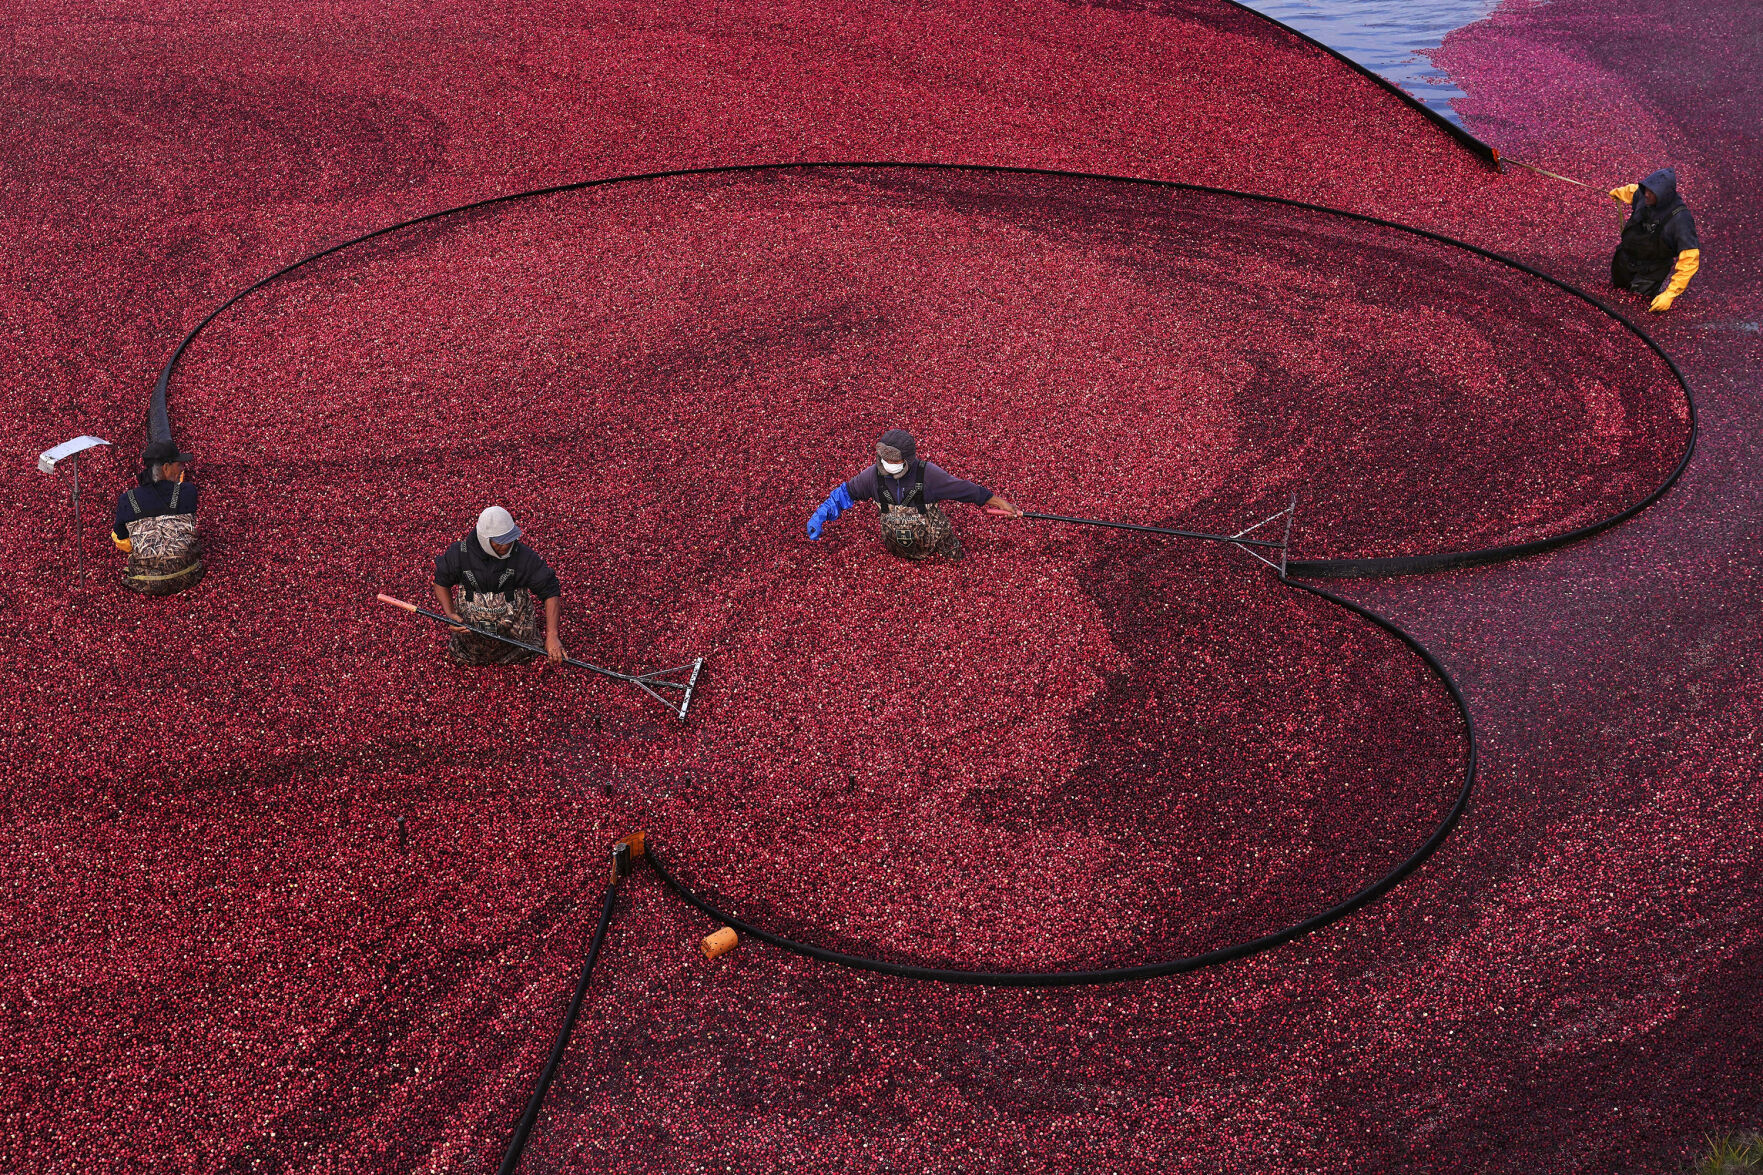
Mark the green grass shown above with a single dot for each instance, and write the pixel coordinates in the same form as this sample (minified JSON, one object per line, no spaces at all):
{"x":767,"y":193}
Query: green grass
{"x":1736,"y":1154}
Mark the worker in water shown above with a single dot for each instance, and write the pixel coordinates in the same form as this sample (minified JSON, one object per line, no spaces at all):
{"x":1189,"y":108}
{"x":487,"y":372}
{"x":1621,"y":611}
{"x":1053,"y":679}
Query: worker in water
{"x":489,"y":579}
{"x":1659,"y":252}
{"x":156,"y":524}
{"x":906,"y":492}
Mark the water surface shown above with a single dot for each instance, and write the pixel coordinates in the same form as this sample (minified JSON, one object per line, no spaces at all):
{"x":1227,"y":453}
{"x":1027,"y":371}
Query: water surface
{"x":1387,"y":37}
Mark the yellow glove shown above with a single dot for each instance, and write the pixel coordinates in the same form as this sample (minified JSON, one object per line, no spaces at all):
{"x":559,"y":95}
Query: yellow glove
{"x":1688,"y":262}
{"x":126,"y":546}
{"x":1625,"y":193}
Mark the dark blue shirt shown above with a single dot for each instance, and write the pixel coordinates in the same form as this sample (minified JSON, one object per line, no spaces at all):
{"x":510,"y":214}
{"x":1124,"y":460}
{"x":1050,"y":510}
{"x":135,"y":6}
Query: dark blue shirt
{"x":939,"y":486}
{"x":151,"y":499}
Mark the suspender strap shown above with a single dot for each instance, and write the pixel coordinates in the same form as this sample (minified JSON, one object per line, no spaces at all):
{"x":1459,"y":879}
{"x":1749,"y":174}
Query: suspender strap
{"x":171,"y":506}
{"x":478,"y":589}
{"x":914,"y":499}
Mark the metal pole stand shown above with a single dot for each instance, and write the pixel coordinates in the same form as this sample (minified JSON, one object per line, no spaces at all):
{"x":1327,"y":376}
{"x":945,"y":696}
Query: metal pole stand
{"x":79,"y":534}
{"x":49,"y":461}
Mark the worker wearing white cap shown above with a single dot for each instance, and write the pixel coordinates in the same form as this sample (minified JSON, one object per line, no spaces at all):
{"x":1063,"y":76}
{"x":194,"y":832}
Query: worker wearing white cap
{"x":489,"y":579}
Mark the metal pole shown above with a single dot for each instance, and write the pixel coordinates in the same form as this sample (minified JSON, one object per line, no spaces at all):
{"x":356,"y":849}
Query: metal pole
{"x":508,"y":640}
{"x":77,"y":544}
{"x":1291,"y":513}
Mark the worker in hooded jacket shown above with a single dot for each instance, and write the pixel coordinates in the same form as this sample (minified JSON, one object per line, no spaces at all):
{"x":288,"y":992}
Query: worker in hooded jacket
{"x":1659,"y":252}
{"x":489,"y":580}
{"x":906,"y":491}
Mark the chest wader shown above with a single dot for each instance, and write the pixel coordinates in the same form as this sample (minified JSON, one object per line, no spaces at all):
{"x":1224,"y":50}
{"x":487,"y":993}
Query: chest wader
{"x":1644,"y":259}
{"x":164,"y":553}
{"x":914,"y":528}
{"x":510,"y":613}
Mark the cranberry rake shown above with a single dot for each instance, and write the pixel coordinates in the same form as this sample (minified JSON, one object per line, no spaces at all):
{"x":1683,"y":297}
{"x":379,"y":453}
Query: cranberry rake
{"x":1240,"y":540}
{"x":649,"y":683}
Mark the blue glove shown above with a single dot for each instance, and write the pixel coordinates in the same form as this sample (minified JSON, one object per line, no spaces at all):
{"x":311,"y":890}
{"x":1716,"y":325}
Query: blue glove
{"x":836,"y":504}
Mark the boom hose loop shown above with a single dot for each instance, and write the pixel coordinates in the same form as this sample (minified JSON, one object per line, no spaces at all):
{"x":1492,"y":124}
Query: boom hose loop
{"x":1152,"y":970}
{"x":159,"y":424}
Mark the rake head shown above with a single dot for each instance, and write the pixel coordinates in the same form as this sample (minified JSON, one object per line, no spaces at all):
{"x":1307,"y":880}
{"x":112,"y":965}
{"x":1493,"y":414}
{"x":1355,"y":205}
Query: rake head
{"x":672,"y":687}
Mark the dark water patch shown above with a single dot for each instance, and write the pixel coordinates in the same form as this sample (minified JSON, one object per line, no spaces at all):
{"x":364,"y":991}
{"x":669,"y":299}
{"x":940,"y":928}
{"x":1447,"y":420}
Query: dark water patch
{"x":1389,"y":37}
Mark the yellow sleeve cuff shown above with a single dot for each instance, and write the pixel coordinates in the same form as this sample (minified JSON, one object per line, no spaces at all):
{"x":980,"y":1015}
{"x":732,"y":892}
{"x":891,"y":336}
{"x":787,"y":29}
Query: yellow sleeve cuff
{"x":1625,"y":193}
{"x":1688,"y":262}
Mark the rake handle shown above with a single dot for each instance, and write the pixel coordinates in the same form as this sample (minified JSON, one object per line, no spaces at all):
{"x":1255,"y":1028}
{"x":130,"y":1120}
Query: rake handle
{"x":395,"y":602}
{"x":1183,"y":534}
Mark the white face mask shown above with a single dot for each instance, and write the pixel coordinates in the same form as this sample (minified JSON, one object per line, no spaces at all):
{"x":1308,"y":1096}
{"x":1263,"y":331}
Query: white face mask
{"x":893,"y":470}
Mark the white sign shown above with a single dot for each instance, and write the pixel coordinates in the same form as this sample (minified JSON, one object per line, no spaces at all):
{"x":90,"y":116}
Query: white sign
{"x":49,"y":458}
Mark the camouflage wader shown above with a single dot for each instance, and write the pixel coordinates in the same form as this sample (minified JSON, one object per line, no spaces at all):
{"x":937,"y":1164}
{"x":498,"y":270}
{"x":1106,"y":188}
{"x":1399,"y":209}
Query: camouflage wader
{"x":914,"y":528}
{"x":165,"y":555}
{"x":509,"y":613}
{"x":913,"y":535}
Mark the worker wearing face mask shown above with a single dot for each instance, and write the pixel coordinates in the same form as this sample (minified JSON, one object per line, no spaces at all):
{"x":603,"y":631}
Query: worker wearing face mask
{"x":1659,"y":252}
{"x":489,"y":579}
{"x":906,"y":491}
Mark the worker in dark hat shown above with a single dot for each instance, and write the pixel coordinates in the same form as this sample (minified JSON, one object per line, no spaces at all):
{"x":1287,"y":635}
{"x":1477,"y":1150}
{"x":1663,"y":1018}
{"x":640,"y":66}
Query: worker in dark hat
{"x":906,"y":491}
{"x":489,"y":579}
{"x":156,"y":524}
{"x":1659,"y":252}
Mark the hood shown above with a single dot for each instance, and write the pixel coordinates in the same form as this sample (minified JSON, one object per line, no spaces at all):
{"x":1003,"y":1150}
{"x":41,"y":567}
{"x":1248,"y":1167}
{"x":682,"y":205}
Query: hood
{"x":496,"y":524}
{"x":900,"y":439}
{"x":1663,"y":185}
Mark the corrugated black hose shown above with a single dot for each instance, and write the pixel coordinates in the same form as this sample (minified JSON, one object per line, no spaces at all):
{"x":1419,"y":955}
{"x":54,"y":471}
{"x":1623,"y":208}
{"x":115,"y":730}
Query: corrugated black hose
{"x":621,"y":867}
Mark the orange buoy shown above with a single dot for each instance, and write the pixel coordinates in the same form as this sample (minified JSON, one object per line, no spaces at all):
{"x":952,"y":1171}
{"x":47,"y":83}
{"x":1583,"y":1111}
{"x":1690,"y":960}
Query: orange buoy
{"x":721,"y":943}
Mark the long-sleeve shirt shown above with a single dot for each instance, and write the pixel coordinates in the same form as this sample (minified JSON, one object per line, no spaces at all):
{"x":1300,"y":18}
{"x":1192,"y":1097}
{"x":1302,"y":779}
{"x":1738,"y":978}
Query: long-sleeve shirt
{"x":939,"y":486}
{"x":466,"y":563}
{"x":154,"y":499}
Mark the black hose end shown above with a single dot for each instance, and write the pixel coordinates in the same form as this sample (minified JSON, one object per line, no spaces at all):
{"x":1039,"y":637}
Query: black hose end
{"x":625,"y":851}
